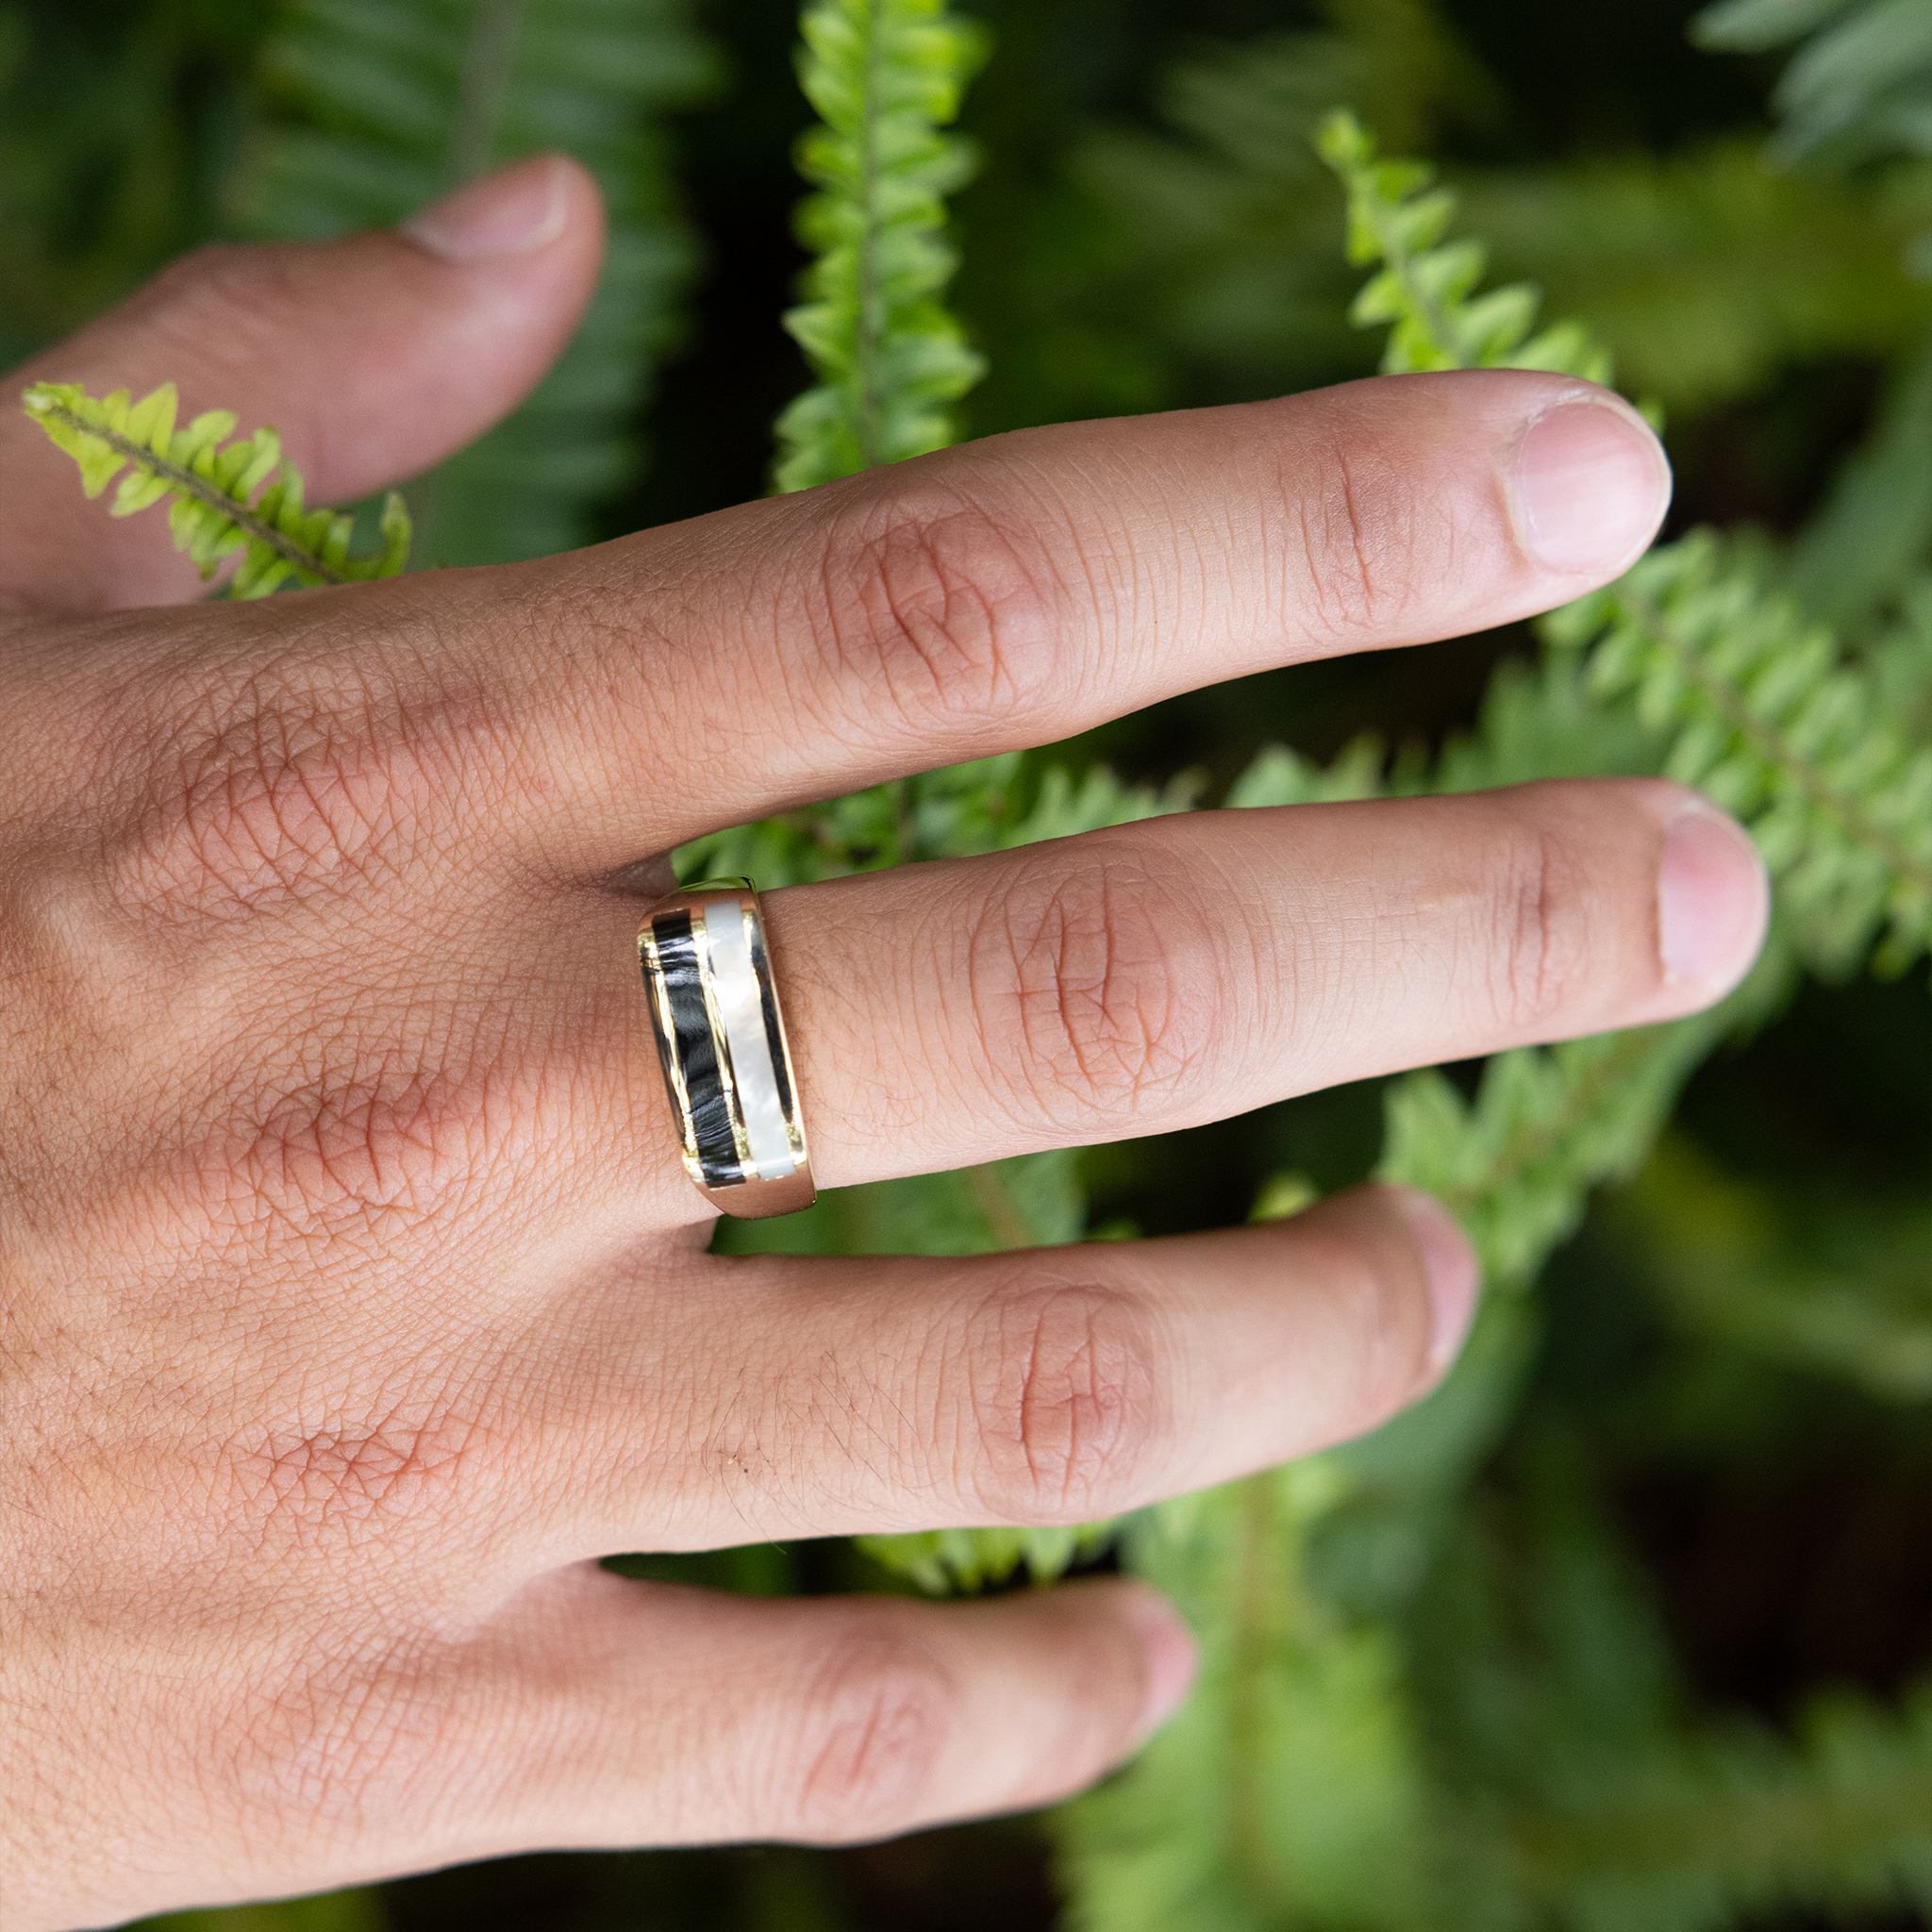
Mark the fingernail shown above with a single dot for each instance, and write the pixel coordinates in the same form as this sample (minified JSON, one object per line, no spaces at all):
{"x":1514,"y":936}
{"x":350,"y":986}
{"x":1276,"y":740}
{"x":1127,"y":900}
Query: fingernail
{"x":1450,"y":1264}
{"x":514,"y":212}
{"x":1712,"y":897}
{"x":1591,"y":487}
{"x":1168,"y":1646}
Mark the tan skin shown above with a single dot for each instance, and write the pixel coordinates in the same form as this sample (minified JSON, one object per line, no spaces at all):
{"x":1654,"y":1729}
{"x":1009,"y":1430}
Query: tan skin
{"x":355,"y":1300}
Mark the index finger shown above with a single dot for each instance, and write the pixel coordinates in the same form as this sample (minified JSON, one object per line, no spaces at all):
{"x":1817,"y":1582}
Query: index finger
{"x":1016,"y":591}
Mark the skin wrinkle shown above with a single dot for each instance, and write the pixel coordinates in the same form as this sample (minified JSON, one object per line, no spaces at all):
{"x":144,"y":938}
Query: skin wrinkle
{"x":1365,"y":574}
{"x":280,"y":791}
{"x":1529,"y":950}
{"x":380,"y":1140}
{"x":1332,"y":561}
{"x":1114,"y":1024}
{"x":344,"y":1461}
{"x":901,"y":584}
{"x":1057,"y":1375}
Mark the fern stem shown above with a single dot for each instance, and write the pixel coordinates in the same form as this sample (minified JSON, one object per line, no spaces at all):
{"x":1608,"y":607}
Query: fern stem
{"x":1583,"y":1099}
{"x":1756,"y":1828}
{"x":258,"y":528}
{"x":1428,"y":305}
{"x":871,"y":309}
{"x":490,"y":52}
{"x":1775,"y":750}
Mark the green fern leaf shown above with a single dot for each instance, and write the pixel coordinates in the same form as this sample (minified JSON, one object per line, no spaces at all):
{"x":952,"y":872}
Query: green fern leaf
{"x":1768,"y":719}
{"x":1426,"y":286}
{"x":1291,"y":1771}
{"x":210,"y":486}
{"x":1516,"y":1165}
{"x":885,"y":76}
{"x":1690,"y":666}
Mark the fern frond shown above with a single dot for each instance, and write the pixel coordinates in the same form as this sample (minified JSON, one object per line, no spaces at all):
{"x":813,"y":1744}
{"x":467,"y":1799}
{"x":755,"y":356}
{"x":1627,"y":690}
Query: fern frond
{"x":885,"y":76}
{"x":1426,"y":286}
{"x":952,"y":1562}
{"x":1858,"y":553}
{"x":1858,"y":86}
{"x":1517,"y":1164}
{"x":1770,"y":722}
{"x":1221,"y":250}
{"x":1281,"y":776}
{"x":1726,"y":1824}
{"x":210,"y":486}
{"x":1690,"y":666}
{"x":1292,"y":1769}
{"x":959,"y":811}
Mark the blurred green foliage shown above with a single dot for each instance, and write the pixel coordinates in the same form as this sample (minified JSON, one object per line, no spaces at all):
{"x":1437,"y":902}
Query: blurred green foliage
{"x":364,"y":110}
{"x":1630,"y":1625}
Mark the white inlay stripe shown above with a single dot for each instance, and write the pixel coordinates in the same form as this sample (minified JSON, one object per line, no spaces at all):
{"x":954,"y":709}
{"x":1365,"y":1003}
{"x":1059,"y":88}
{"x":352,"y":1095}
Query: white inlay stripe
{"x":740,"y":1012}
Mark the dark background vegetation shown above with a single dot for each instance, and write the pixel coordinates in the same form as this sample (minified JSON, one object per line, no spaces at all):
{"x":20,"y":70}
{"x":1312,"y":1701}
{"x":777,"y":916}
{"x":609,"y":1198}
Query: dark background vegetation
{"x":1782,"y":1519}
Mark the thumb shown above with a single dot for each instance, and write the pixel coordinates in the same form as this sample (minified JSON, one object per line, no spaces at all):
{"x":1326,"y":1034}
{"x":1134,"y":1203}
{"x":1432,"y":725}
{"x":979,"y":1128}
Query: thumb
{"x":375,"y":357}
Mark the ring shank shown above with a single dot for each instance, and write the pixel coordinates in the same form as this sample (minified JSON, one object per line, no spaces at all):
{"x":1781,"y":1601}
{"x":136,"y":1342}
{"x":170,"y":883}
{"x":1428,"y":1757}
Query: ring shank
{"x":721,"y":1047}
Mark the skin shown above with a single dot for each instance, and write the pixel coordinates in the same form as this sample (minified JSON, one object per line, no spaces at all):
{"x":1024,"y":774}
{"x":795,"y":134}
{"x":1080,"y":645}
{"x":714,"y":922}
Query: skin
{"x":355,"y":1300}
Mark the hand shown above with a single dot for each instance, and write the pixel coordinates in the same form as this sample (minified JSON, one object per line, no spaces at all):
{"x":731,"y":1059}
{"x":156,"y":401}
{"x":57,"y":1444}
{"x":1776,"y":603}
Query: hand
{"x":356,"y":1298}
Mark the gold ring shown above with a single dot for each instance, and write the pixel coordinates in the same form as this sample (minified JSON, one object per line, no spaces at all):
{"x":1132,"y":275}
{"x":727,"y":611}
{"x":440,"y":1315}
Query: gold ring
{"x":721,"y":1043}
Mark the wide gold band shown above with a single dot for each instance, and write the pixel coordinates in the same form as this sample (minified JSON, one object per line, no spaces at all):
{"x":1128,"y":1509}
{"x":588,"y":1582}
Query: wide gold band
{"x":721,"y":1043}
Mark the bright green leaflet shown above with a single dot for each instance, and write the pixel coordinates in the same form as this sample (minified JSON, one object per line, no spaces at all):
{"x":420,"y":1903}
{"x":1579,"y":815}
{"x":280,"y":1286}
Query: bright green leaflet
{"x":885,"y":76}
{"x":221,"y":497}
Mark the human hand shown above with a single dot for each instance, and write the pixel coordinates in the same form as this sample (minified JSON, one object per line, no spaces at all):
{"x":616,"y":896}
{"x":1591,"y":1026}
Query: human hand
{"x":356,"y":1301}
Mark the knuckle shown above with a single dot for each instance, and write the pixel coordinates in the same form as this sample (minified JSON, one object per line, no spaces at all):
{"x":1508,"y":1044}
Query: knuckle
{"x":874,"y":1725}
{"x":1540,"y":944}
{"x":353,"y":1155}
{"x":331,"y":1484}
{"x":1092,"y":987}
{"x":934,"y":609}
{"x":379,"y":1147}
{"x":280,"y":782}
{"x":1063,"y":1398}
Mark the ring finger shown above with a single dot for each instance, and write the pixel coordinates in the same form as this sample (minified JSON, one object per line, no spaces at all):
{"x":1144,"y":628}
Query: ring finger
{"x":1148,"y":979}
